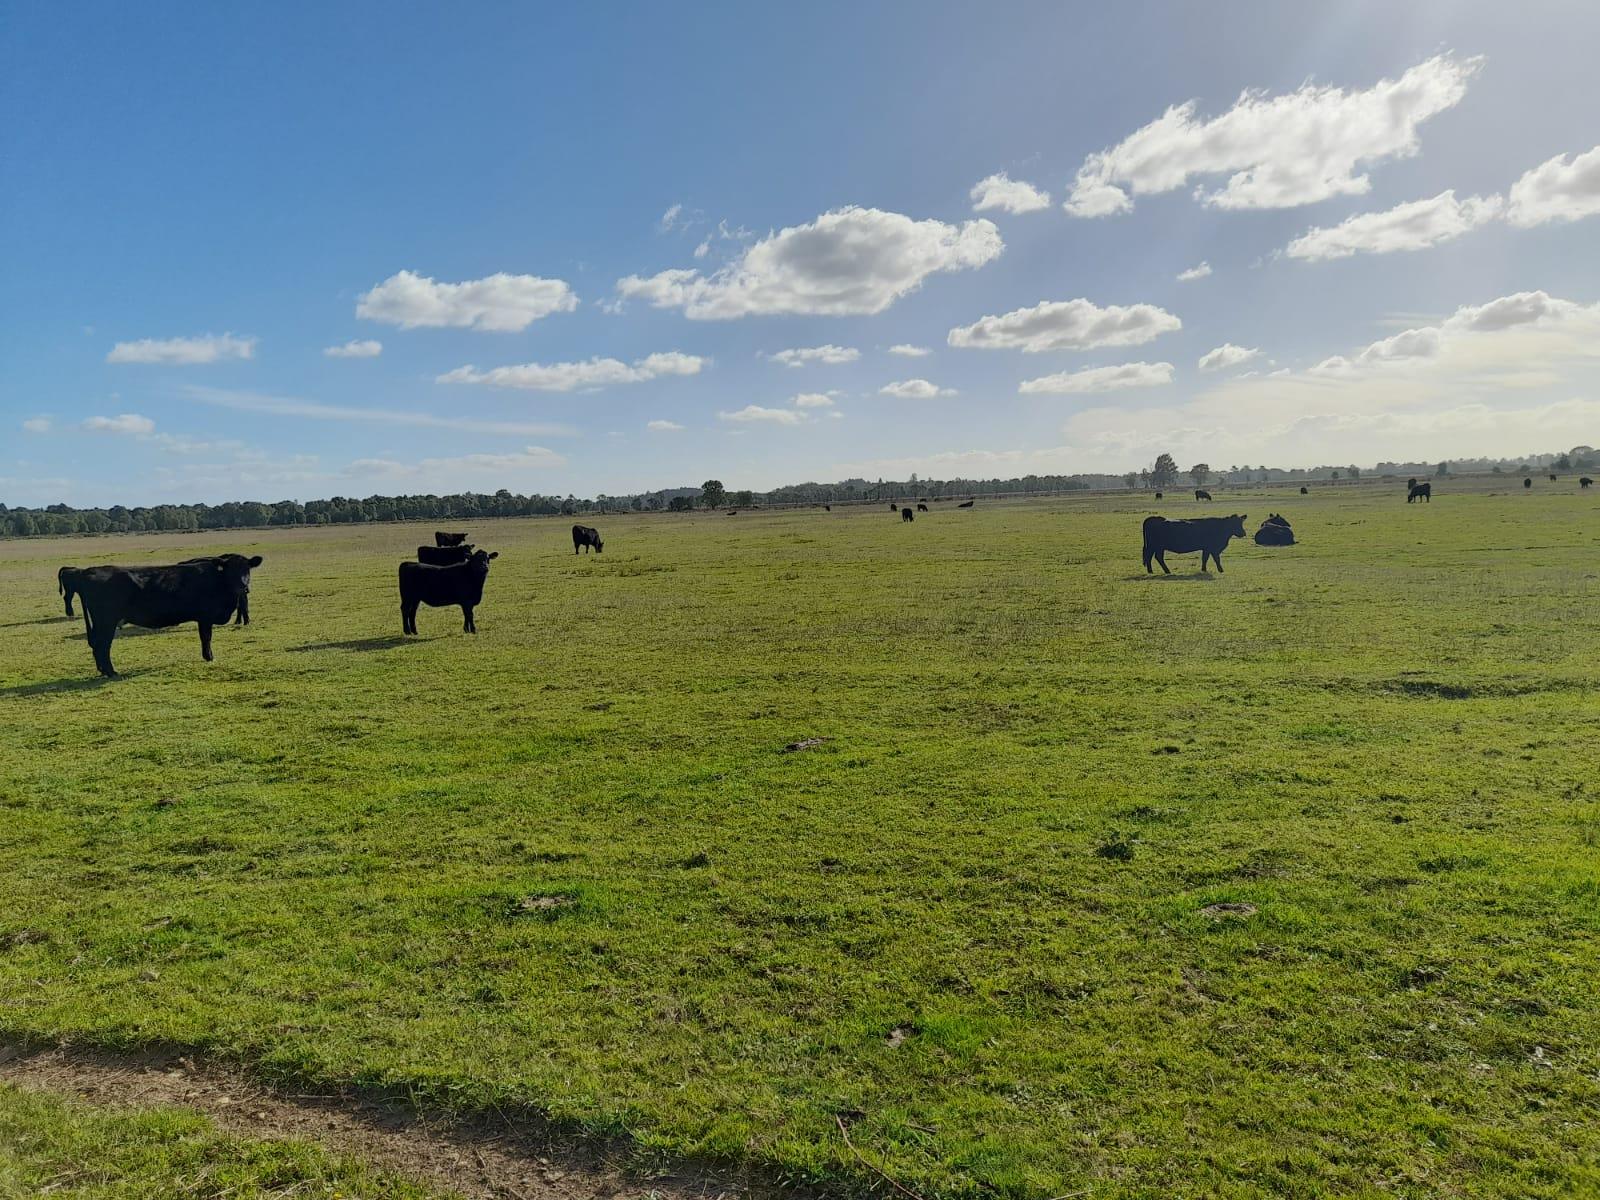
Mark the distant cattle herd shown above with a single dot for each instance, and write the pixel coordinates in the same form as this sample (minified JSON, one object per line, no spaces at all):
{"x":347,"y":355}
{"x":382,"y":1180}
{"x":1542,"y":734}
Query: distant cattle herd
{"x":213,"y":590}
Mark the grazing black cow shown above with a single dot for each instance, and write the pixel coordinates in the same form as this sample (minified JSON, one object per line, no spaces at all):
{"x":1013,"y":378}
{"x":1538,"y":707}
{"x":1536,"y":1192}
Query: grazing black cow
{"x":205,"y":590}
{"x":1201,"y":494}
{"x":967,"y":504}
{"x":444,"y":556}
{"x":1158,"y":496}
{"x":733,"y":512}
{"x":1209,"y":535}
{"x":585,"y":536}
{"x":1527,"y":483}
{"x":1275,"y":531}
{"x":441,"y":587}
{"x":907,"y":515}
{"x":1552,"y":479}
{"x":1419,"y":491}
{"x":922,"y":508}
{"x":448,"y":539}
{"x":1585,"y":481}
{"x":1305,"y":491}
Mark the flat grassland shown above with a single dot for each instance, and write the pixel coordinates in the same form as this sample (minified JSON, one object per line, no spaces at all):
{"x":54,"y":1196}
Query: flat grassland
{"x":567,"y":864}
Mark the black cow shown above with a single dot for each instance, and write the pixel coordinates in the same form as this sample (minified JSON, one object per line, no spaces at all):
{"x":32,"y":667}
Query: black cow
{"x":922,"y":508}
{"x":1305,"y":491}
{"x":1158,"y":496}
{"x":444,"y":556}
{"x":1209,"y":535}
{"x":1527,"y":483}
{"x":967,"y":504}
{"x":1552,"y":479}
{"x":1585,"y":481}
{"x":207,"y":591}
{"x":827,"y":508}
{"x":1274,"y":531}
{"x":893,"y":507}
{"x":441,"y":587}
{"x":1201,"y":494}
{"x":1419,"y":491}
{"x":732,"y":512}
{"x":907,"y":515}
{"x":448,"y":539}
{"x":585,"y":536}
{"x":242,"y":613}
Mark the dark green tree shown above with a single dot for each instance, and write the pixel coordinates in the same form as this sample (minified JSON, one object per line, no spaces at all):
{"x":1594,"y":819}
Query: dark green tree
{"x":712,"y":493}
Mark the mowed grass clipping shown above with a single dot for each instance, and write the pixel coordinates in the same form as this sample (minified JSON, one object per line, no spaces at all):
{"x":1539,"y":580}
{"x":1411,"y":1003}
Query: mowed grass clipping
{"x":567,"y":863}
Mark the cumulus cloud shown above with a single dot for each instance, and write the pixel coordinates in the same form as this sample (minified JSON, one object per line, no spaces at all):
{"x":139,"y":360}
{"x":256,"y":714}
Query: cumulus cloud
{"x":355,"y":349}
{"x":830,"y":355}
{"x":184,"y":351}
{"x":1066,"y":325}
{"x":813,"y":400}
{"x":1276,"y":151}
{"x":1563,"y":188}
{"x":906,"y":350}
{"x":1100,"y":379}
{"x":131,"y":424}
{"x":37,"y":425}
{"x":914,"y":389}
{"x":663,"y":427}
{"x":1193,"y":273}
{"x":1000,"y":191}
{"x":754,"y":414}
{"x":1412,"y":226}
{"x":569,"y":376}
{"x":498,"y":303}
{"x":848,"y":262}
{"x":1227,"y":355}
{"x":286,"y":406}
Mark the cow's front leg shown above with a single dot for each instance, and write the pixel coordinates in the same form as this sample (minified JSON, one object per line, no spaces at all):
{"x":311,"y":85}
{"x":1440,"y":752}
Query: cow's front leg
{"x":205,"y":641}
{"x":1217,"y":559}
{"x":467,"y":626}
{"x":1161,"y":557}
{"x":100,"y":644}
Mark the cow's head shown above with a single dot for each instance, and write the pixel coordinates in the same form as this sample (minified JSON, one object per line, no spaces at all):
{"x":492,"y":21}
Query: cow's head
{"x":599,"y":546}
{"x":480,"y":559}
{"x":234,"y":570}
{"x":1235,"y":525}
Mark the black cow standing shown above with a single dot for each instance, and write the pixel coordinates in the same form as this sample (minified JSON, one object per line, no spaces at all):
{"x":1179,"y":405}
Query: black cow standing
{"x":1201,"y":494}
{"x":206,"y":591}
{"x":907,"y":515}
{"x":1585,"y":481}
{"x":893,"y":507}
{"x":1305,"y":491}
{"x":1209,"y":535}
{"x":1418,"y":491}
{"x":1552,"y":479}
{"x":444,"y":556}
{"x":441,"y":587}
{"x":1527,"y":483}
{"x":448,"y":539}
{"x":584,"y":536}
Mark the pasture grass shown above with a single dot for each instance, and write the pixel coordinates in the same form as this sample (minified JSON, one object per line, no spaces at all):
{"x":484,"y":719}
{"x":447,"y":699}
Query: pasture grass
{"x":567,"y":865}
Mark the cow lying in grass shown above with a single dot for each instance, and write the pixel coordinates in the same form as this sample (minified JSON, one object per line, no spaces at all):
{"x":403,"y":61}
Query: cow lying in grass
{"x":207,"y":591}
{"x":443,"y":587}
{"x":1274,"y":531}
{"x":1208,"y":535}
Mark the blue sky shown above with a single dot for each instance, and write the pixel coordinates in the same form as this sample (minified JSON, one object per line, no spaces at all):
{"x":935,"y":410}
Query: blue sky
{"x":1401,"y":222}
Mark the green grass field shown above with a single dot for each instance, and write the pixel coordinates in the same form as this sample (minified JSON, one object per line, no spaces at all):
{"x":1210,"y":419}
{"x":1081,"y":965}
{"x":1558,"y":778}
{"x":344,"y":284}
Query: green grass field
{"x":567,"y":864}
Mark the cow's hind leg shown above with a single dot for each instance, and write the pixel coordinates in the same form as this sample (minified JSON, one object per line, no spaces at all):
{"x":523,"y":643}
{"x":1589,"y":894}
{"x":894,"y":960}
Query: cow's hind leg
{"x":408,"y":617}
{"x":1148,"y":569}
{"x":466,"y":625}
{"x":205,"y":641}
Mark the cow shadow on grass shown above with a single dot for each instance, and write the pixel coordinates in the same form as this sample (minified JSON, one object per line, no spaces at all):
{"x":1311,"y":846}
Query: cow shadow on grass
{"x":360,"y":645}
{"x":39,"y":621}
{"x":87,"y":683}
{"x":1196,"y":577}
{"x":123,"y":631}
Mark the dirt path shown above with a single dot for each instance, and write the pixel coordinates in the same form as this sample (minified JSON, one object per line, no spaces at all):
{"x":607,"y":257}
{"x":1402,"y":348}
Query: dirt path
{"x":485,"y":1158}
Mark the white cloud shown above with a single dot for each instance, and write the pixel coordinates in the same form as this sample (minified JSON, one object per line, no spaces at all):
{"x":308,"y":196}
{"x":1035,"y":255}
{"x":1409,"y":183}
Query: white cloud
{"x":183,"y":351}
{"x":283,"y":406}
{"x":1412,"y":226}
{"x":1563,"y":188}
{"x":755,"y":414}
{"x":663,"y":427}
{"x":1227,"y":355}
{"x":1066,"y":325}
{"x":499,"y":303}
{"x":529,"y":458}
{"x":914,"y":389}
{"x":37,"y":425}
{"x":669,"y":219}
{"x":355,"y":349}
{"x":703,"y":249}
{"x":830,"y":355}
{"x":813,"y":400}
{"x":1193,"y":273}
{"x":569,"y":376}
{"x":852,"y":261}
{"x":1100,"y":379}
{"x":1277,"y":151}
{"x":1001,"y":192}
{"x":128,"y":423}
{"x":905,"y":350}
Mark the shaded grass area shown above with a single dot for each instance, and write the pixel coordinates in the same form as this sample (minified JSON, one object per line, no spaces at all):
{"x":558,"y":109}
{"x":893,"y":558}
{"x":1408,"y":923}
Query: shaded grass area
{"x":52,"y":1146}
{"x":566,"y":864}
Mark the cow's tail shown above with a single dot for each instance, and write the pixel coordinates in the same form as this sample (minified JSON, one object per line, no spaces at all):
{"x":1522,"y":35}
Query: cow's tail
{"x":1150,"y":524}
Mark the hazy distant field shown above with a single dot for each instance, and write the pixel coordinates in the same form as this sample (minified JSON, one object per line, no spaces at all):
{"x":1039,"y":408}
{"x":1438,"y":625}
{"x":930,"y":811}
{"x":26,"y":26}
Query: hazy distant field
{"x":567,"y":863}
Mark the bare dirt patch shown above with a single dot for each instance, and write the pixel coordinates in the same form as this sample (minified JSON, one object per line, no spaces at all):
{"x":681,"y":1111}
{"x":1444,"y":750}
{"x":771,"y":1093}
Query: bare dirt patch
{"x":492,"y":1157}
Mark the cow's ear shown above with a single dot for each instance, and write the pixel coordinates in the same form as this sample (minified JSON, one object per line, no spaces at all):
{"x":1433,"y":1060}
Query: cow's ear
{"x":255,"y":561}
{"x":496,"y":554}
